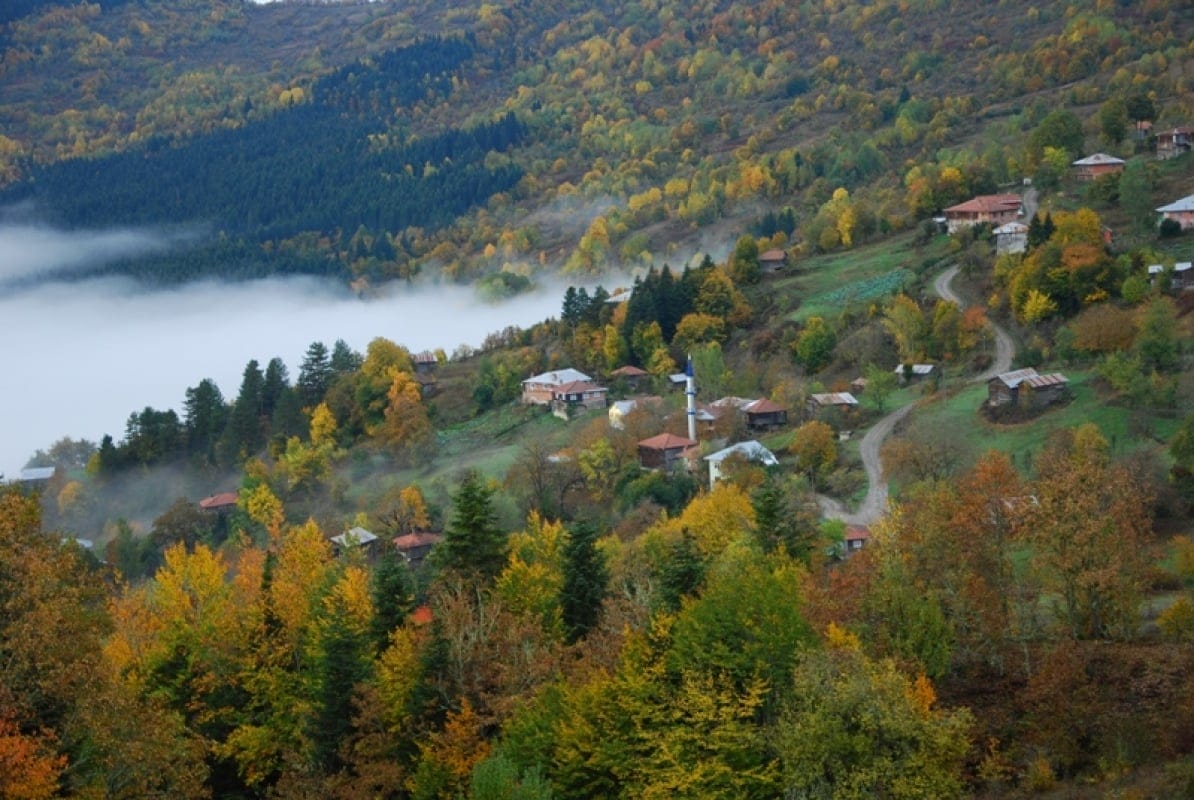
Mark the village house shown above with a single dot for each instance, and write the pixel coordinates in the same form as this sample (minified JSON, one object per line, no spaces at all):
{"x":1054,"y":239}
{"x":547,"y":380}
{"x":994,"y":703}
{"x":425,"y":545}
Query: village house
{"x":855,"y":539}
{"x":631,"y":374}
{"x":773,"y":261}
{"x":620,"y":409}
{"x":36,"y":478}
{"x":993,"y":209}
{"x":1011,"y":237}
{"x":843,"y":401}
{"x":1182,"y":275}
{"x":906,"y":373}
{"x":765,"y":414}
{"x":354,"y":537}
{"x":1025,"y":388}
{"x":217,"y":503}
{"x":668,"y":452}
{"x":1096,"y":166}
{"x":540,"y":389}
{"x":416,"y":546}
{"x":577,"y":397}
{"x":1181,"y":211}
{"x":1174,"y":142}
{"x":750,"y":451}
{"x":425,"y":362}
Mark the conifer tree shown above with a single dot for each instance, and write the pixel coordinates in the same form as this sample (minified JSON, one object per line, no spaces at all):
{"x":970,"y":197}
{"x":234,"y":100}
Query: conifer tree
{"x":473,"y":543}
{"x":585,"y":580}
{"x":393,"y":588}
{"x":315,"y":375}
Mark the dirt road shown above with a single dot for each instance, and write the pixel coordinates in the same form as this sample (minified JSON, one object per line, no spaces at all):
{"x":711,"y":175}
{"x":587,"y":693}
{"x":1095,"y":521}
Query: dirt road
{"x":1005,"y":348}
{"x":875,"y":503}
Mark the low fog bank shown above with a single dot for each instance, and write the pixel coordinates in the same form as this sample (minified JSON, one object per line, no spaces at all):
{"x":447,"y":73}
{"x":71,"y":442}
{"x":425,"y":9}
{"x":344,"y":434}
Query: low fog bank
{"x":29,"y":249}
{"x":82,"y":356}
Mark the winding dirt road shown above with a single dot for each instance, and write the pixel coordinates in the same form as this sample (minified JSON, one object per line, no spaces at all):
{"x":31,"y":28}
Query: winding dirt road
{"x":875,"y":503}
{"x":1005,"y":348}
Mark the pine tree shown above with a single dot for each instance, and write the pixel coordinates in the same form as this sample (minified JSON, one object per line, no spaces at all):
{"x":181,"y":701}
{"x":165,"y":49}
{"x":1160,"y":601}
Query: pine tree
{"x":206,"y":414}
{"x":244,"y":435}
{"x":344,"y":359}
{"x":682,"y":573}
{"x":315,"y":375}
{"x":277,"y":380}
{"x":393,"y":589}
{"x":473,"y":543}
{"x":585,"y":580}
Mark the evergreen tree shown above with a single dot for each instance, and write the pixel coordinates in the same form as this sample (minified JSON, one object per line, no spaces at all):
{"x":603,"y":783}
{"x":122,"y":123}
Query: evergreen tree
{"x":244,"y":435}
{"x":288,"y":419}
{"x":585,"y":580}
{"x":206,"y":415}
{"x":393,"y":589}
{"x":473,"y":543}
{"x":682,"y":573}
{"x":277,"y":380}
{"x":342,"y":664}
{"x":344,"y":359}
{"x":315,"y":375}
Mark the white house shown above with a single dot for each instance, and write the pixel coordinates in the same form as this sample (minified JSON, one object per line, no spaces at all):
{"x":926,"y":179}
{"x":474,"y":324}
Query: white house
{"x":1011,"y":237}
{"x":751,"y":451}
{"x":540,"y":389}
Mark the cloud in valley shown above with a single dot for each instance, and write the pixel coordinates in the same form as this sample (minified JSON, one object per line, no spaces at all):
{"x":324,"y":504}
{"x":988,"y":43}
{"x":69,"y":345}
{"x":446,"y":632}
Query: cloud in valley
{"x":83,"y":355}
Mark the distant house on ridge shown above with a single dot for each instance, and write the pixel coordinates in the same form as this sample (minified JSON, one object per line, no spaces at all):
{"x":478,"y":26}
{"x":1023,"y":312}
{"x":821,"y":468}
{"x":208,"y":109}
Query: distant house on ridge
{"x":540,"y":389}
{"x":1180,"y":211}
{"x":1096,"y":166}
{"x":1174,"y":142}
{"x":993,"y":209}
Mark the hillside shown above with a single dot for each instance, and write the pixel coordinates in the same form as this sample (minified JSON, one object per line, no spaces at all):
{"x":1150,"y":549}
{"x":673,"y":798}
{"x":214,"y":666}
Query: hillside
{"x":964,"y":566}
{"x":643,"y":125}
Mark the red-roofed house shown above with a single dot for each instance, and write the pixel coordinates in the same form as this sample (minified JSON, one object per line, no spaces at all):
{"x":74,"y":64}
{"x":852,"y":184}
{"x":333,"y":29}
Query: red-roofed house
{"x":416,"y":545}
{"x":771,"y":261}
{"x":765,"y":414}
{"x":631,"y":374}
{"x":224,"y":501}
{"x":856,"y":538}
{"x":995,"y":209}
{"x":668,"y":451}
{"x":576,"y":397}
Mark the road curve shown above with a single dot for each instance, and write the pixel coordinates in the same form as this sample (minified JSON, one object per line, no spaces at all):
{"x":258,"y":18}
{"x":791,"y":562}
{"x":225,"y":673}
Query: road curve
{"x":1005,"y":348}
{"x":875,"y":503}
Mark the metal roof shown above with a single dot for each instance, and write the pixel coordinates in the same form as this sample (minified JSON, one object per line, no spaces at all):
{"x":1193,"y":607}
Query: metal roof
{"x":558,"y":377}
{"x":1185,"y":204}
{"x":752,"y":450}
{"x":835,"y":399}
{"x":38,"y":473}
{"x":1098,"y":159}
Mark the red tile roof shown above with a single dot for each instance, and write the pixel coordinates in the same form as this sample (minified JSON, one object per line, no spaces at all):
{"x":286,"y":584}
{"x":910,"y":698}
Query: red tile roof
{"x":764,"y":406}
{"x":987,"y":203}
{"x":630,"y":371}
{"x":667,"y":441}
{"x":417,"y":539}
{"x":217,"y":501}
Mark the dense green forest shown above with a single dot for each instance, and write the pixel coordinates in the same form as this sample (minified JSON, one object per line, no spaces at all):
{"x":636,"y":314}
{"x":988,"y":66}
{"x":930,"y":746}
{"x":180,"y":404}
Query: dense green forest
{"x":192,"y":606}
{"x":644,"y":123}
